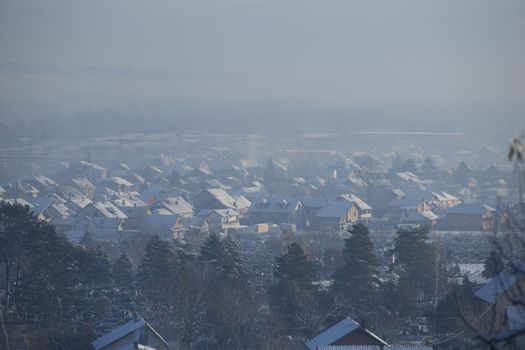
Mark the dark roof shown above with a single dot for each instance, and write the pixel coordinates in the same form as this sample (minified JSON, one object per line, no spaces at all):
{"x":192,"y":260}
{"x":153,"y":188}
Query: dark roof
{"x":122,"y":331}
{"x":466,"y":208}
{"x":274,"y":205}
{"x":335,"y":209}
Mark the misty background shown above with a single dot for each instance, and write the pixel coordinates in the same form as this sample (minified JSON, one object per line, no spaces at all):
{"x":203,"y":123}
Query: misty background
{"x":71,"y":68}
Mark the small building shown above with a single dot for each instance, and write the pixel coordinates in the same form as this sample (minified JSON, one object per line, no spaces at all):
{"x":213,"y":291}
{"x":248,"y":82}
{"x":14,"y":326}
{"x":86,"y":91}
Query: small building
{"x":364,"y":211}
{"x":350,"y":335}
{"x":345,"y":333}
{"x":416,"y":218}
{"x":137,"y":334}
{"x":311,"y":207}
{"x":220,"y":220}
{"x":474,"y":216}
{"x":276,"y":211}
{"x":216,"y":198}
{"x":83,"y":185}
{"x":338,"y":215}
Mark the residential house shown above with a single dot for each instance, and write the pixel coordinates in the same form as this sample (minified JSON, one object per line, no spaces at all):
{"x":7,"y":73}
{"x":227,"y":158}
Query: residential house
{"x":220,"y":220}
{"x":42,"y":183}
{"x":136,"y":334}
{"x":442,"y":201}
{"x":344,"y":334}
{"x":364,"y":211}
{"x":276,"y":211}
{"x":83,"y":185}
{"x":407,"y":204}
{"x":350,"y":335}
{"x":76,"y":204}
{"x":215,"y":198}
{"x":472,"y":217}
{"x":338,"y":215}
{"x":311,"y":207}
{"x":103,"y":219}
{"x":418,"y":219}
{"x":119,"y":184}
{"x":176,"y":205}
{"x":134,"y":208}
{"x":90,"y":170}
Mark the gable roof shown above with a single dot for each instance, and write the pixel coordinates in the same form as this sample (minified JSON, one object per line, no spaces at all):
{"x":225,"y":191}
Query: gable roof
{"x":314,"y":202}
{"x":466,"y":208}
{"x":229,"y":201}
{"x":275,"y":205}
{"x":109,"y":210}
{"x":336,"y":332}
{"x":82,"y":182}
{"x":358,"y":201}
{"x":177,"y":205}
{"x":416,"y":216}
{"x":335,"y":209}
{"x":123,"y":331}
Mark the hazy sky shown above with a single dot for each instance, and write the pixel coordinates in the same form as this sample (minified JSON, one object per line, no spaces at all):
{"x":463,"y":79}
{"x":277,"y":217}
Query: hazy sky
{"x":102,"y":52}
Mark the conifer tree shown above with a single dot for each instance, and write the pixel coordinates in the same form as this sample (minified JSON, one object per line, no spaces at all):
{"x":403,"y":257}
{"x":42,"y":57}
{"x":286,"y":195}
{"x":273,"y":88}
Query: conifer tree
{"x":294,"y":291}
{"x":355,"y":280}
{"x":414,"y":255}
{"x":123,"y":271}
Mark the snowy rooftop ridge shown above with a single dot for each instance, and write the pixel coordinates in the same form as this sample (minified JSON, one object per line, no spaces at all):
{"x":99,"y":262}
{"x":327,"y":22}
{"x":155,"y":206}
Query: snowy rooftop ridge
{"x":336,"y":332}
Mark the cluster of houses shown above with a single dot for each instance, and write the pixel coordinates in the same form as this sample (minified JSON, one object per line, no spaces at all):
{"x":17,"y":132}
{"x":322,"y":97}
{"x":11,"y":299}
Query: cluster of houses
{"x":180,"y":199}
{"x":347,"y":334}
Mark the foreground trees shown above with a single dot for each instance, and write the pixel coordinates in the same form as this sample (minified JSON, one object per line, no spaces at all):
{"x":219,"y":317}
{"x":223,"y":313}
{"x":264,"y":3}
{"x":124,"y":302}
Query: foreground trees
{"x":294,"y":293}
{"x":38,"y":271}
{"x":208,"y":296}
{"x":188,"y":296}
{"x":355,"y":282}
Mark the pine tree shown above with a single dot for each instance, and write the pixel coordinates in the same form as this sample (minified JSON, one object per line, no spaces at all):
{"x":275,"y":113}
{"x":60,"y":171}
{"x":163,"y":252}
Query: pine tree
{"x":414,"y":255}
{"x":355,"y":281}
{"x":294,"y":291}
{"x":15,"y":224}
{"x":229,"y":302}
{"x":123,"y":271}
{"x":212,"y":251}
{"x":156,"y":267}
{"x":295,"y":266}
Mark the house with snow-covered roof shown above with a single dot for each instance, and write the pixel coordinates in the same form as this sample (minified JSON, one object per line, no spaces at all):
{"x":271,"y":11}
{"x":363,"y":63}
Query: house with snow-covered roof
{"x":216,"y":198}
{"x":276,"y":210}
{"x":136,"y":334}
{"x":364,"y":211}
{"x":337,"y":215}
{"x":343,"y":334}
{"x":220,"y":220}
{"x":469,"y":216}
{"x":102,"y":219}
{"x":350,"y":335}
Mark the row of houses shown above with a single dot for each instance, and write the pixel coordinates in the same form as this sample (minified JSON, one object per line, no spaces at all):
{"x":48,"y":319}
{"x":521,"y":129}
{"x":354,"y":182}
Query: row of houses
{"x":111,"y":201}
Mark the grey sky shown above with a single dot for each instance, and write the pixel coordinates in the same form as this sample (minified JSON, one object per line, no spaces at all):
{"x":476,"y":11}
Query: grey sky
{"x":73,"y":53}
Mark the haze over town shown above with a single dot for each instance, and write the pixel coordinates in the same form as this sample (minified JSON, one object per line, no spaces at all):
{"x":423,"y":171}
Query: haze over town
{"x":261,"y":174}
